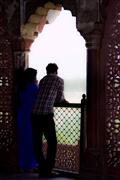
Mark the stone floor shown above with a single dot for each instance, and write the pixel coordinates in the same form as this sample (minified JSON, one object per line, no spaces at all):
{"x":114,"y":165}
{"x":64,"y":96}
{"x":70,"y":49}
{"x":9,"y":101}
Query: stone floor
{"x":34,"y":176}
{"x":60,"y":176}
{"x":30,"y":176}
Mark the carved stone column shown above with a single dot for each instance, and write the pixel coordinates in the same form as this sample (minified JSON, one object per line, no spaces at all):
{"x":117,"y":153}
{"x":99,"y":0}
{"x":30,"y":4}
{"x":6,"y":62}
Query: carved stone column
{"x":21,"y":50}
{"x":95,"y":101}
{"x":94,"y":87}
{"x":90,"y":26}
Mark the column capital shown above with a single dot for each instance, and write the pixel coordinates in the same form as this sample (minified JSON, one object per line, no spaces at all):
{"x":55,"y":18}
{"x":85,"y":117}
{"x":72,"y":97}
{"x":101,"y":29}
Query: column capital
{"x":90,"y":21}
{"x":92,"y":37}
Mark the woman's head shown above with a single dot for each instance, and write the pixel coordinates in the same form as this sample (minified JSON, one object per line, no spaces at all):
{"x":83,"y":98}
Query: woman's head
{"x":30,"y":75}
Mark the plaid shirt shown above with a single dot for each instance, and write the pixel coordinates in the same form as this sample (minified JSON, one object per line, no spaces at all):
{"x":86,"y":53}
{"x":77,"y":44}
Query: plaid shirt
{"x":51,"y":89}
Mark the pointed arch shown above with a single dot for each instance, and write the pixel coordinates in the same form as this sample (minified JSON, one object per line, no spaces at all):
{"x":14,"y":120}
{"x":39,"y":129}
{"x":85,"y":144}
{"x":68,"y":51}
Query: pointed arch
{"x":36,"y":22}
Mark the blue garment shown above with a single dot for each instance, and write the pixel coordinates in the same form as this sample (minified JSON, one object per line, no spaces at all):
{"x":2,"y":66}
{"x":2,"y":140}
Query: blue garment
{"x":27,"y":97}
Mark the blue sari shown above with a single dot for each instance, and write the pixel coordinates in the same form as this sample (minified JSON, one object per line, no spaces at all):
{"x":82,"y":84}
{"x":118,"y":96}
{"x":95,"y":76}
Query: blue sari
{"x":27,"y":97}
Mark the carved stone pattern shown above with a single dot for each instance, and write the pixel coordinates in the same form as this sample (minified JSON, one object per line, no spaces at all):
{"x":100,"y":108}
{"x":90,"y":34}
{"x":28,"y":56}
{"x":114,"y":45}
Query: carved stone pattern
{"x":2,"y":20}
{"x":19,"y":59}
{"x":9,"y":11}
{"x":112,"y":80}
{"x":13,"y":18}
{"x":87,"y":11}
{"x":67,"y":157}
{"x":7,"y":133}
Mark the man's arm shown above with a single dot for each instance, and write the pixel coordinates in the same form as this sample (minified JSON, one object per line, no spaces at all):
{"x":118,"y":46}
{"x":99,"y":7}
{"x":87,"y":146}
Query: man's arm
{"x":60,"y":94}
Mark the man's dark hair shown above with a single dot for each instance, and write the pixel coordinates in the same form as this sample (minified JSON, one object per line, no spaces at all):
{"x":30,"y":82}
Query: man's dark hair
{"x":51,"y":68}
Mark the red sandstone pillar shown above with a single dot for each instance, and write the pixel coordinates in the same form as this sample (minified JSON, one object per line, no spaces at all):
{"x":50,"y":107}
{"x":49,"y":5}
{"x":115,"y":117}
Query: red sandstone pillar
{"x":95,"y":103}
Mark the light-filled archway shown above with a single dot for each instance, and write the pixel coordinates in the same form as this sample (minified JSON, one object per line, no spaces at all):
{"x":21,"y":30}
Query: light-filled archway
{"x":61,"y":43}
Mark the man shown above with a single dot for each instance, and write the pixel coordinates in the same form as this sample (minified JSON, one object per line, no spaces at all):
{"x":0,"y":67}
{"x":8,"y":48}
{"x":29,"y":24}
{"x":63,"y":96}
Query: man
{"x":51,"y":89}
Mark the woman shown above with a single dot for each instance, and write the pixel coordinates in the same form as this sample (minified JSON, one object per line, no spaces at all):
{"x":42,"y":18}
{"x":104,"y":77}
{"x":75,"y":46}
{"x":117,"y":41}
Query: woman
{"x":27,"y":94}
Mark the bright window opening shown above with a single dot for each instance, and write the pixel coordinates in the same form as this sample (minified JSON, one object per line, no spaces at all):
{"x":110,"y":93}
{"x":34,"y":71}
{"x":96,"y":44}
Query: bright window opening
{"x":61,"y":43}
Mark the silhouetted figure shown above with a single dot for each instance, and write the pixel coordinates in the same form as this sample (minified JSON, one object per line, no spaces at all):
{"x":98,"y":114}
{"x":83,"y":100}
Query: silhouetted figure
{"x":27,"y":92}
{"x":51,"y":89}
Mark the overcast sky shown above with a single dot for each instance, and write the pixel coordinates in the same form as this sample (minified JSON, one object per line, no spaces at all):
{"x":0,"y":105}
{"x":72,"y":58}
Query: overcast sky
{"x":61,"y":43}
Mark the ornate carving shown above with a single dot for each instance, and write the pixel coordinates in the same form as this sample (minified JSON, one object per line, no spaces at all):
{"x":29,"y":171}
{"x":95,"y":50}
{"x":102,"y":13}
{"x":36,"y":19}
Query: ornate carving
{"x":10,"y":12}
{"x":6,"y":92}
{"x":2,"y":20}
{"x":19,"y":58}
{"x":89,"y":15}
{"x":111,"y":57}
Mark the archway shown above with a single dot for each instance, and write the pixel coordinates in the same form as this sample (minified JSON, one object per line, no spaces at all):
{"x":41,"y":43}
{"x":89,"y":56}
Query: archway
{"x":63,"y":45}
{"x":71,"y":148}
{"x":60,"y":42}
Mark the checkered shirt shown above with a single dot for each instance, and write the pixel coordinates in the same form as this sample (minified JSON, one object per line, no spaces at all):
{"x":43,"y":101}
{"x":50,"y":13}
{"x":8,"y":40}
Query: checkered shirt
{"x":51,"y":89}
